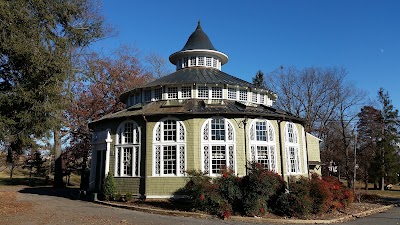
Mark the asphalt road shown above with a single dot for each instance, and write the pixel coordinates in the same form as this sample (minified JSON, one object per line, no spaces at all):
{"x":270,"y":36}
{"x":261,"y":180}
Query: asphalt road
{"x":47,"y":207}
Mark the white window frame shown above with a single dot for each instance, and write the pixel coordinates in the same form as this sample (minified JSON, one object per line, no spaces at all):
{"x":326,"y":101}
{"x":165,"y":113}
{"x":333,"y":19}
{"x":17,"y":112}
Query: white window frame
{"x":159,"y":143}
{"x":203,"y":90}
{"x":207,"y":144}
{"x":121,"y":146}
{"x":232,"y":91}
{"x":217,"y":91}
{"x":269,"y":143}
{"x":243,"y":95}
{"x":184,"y":94}
{"x":172,"y":92}
{"x":292,"y":145}
{"x":254,"y":97}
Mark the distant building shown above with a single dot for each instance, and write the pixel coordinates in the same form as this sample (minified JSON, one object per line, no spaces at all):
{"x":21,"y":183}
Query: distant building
{"x":196,"y":118}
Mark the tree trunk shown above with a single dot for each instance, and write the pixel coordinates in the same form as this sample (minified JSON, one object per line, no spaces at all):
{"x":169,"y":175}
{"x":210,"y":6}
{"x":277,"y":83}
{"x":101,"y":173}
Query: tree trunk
{"x":382,"y":184}
{"x":58,"y":178}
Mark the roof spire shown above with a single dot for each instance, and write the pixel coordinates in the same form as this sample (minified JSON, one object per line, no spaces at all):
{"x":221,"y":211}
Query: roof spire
{"x":198,"y":26}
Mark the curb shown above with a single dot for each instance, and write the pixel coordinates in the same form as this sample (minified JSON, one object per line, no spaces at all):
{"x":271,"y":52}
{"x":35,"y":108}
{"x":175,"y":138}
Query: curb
{"x":246,"y":219}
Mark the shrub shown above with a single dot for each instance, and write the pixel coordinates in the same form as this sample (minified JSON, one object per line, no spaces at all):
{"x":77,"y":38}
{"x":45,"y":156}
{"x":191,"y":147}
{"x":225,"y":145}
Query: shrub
{"x":229,"y":189}
{"x":109,"y":187}
{"x":297,"y":202}
{"x":118,"y":197}
{"x":259,"y":189}
{"x":341,"y":196}
{"x":320,"y":194}
{"x":128,"y":197}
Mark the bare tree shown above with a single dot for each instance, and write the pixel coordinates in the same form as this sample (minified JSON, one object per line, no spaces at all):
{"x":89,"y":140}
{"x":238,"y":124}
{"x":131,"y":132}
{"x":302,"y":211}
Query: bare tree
{"x":157,"y":65}
{"x":327,"y":102}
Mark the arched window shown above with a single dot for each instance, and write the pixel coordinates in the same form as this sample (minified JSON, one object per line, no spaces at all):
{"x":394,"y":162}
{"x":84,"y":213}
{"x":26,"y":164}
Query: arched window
{"x":127,"y":149}
{"x":263,"y":144}
{"x":217,"y":146}
{"x":169,"y":148}
{"x":292,"y":148}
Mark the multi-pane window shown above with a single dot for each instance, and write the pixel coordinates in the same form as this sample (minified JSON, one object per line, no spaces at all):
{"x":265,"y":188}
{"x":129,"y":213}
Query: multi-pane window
{"x":147,"y":95}
{"x":217,"y":146}
{"x":208,"y":61}
{"x":216,"y":92}
{"x":200,"y":61}
{"x":231,"y":93}
{"x":262,"y":99}
{"x":158,"y":94}
{"x":202,"y":92}
{"x":127,"y":150}
{"x":254,"y":97}
{"x":172,"y":92}
{"x":186,"y":92}
{"x":169,"y":159}
{"x":170,"y":130}
{"x":193,"y":61}
{"x":261,"y":131}
{"x":243,"y":95}
{"x":185,"y":62}
{"x":169,"y":148}
{"x":262,"y":144}
{"x":215,"y":63}
{"x":218,"y":158}
{"x":138,"y":98}
{"x":292,"y":148}
{"x":218,"y":129}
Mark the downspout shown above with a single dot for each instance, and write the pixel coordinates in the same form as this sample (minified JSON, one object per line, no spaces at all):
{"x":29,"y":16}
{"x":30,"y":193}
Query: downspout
{"x":308,"y":167}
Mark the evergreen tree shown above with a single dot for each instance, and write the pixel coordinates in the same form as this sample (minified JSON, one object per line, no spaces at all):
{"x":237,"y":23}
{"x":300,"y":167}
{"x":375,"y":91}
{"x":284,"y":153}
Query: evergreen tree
{"x":385,"y":163}
{"x":259,"y":80}
{"x":36,"y":44}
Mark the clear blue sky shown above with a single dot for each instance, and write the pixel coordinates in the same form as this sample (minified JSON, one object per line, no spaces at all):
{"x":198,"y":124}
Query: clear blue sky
{"x":362,"y":36}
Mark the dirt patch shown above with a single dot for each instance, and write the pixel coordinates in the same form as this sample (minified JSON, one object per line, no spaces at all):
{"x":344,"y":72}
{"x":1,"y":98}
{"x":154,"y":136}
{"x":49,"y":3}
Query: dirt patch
{"x":9,"y":203}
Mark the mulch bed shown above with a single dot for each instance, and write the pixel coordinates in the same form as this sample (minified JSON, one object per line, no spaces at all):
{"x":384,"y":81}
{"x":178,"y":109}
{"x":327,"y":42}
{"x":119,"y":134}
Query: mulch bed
{"x":185,"y":206}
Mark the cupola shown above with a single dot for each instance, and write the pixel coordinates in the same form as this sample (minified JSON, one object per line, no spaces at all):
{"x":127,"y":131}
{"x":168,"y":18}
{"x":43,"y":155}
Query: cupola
{"x":198,"y":52}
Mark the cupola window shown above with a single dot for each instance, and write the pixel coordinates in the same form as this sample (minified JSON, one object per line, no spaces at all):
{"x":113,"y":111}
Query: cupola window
{"x":172,"y":92}
{"x":243,"y":95}
{"x":232,"y":93}
{"x":186,"y":92}
{"x":158,"y":94}
{"x":202,"y":92}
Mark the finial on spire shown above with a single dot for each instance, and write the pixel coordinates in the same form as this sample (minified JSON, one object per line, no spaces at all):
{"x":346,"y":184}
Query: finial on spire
{"x":198,"y":25}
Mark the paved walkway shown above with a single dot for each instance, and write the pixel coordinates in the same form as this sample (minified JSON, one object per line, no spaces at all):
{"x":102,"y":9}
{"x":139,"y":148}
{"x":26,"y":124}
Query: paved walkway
{"x":50,"y":207}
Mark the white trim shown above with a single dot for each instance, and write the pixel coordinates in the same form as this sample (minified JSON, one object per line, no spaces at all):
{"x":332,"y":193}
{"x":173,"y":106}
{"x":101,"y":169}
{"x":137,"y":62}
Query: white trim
{"x":159,"y":196}
{"x":295,"y":145}
{"x":211,"y":143}
{"x":161,"y":143}
{"x":107,"y":163}
{"x":267,"y":143}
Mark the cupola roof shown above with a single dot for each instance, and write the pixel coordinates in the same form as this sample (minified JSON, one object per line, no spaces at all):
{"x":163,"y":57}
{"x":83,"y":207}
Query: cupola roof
{"x":198,"y":44}
{"x":198,"y":40}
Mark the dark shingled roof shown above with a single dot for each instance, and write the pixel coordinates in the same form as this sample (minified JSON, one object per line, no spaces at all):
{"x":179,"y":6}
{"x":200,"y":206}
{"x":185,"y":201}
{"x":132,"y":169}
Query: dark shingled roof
{"x":200,"y":107}
{"x":198,"y":40}
{"x":199,"y":75}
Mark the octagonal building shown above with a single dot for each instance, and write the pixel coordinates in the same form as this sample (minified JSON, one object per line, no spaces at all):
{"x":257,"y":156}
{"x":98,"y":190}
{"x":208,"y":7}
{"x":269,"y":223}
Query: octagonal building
{"x":197,"y":118}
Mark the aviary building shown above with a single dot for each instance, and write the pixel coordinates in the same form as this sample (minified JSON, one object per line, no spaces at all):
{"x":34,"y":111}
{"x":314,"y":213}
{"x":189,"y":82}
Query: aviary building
{"x":196,"y":118}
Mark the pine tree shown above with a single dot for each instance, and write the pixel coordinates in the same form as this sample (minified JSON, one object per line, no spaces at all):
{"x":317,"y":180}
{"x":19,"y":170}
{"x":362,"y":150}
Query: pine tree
{"x":385,"y":163}
{"x":36,"y":44}
{"x":258,"y":80}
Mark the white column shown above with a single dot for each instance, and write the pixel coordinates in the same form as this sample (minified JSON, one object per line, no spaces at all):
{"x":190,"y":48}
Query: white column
{"x":107,"y":162}
{"x":92,"y":178}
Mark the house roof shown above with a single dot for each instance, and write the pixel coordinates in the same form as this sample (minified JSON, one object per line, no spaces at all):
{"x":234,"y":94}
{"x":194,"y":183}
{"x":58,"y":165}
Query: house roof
{"x":200,"y":107}
{"x":196,"y":75}
{"x":198,"y":40}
